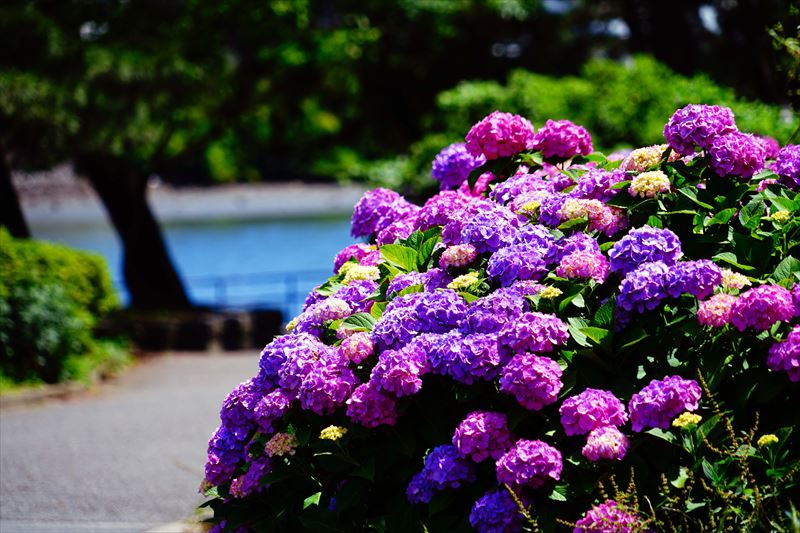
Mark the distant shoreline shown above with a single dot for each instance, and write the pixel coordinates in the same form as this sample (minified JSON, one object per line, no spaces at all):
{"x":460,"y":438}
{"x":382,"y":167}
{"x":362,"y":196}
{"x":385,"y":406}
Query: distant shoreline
{"x":58,"y":198}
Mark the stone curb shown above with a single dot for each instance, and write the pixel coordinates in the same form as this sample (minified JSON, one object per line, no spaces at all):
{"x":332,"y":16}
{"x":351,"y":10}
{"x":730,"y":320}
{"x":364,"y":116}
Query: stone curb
{"x":59,"y":391}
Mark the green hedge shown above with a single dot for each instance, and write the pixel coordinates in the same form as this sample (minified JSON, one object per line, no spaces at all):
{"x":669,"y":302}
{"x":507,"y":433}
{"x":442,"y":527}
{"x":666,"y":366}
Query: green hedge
{"x":51,"y":297}
{"x":619,"y":103}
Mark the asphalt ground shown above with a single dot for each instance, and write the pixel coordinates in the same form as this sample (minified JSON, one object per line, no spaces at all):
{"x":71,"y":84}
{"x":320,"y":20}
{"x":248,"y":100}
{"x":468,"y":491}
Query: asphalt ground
{"x":126,"y":456}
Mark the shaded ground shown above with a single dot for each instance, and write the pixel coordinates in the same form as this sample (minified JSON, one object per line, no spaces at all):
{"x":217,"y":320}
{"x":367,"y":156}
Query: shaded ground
{"x":126,"y":456}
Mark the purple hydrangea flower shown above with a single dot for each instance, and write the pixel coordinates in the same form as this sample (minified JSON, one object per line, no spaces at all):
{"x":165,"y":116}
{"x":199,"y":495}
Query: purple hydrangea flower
{"x":642,"y":289}
{"x":444,"y":468}
{"x":466,"y":358}
{"x":596,"y":184}
{"x":539,"y":238}
{"x":457,"y":256}
{"x":237,"y":409}
{"x":605,"y":442}
{"x":354,"y":251}
{"x":657,"y":404}
{"x":483,"y":434}
{"x":367,"y":213}
{"x":584,"y":265}
{"x":356,"y":295}
{"x":529,"y":463}
{"x":577,"y":242}
{"x":312,"y":319}
{"x":562,"y":139}
{"x":492,"y":312}
{"x":407,"y":316}
{"x":608,"y":517}
{"x":225,"y":451}
{"x":441,"y":209}
{"x":312,"y":298}
{"x":371,"y":408}
{"x":269,"y":409}
{"x":770,"y":145}
{"x":419,"y":489}
{"x":500,"y":135}
{"x":516,"y":262}
{"x":490,"y":229}
{"x":520,"y":184}
{"x":326,"y":387}
{"x":453,"y":164}
{"x":697,"y":125}
{"x":736,"y":154}
{"x":760,"y":307}
{"x":436,"y":278}
{"x":300,"y":362}
{"x":357,"y":347}
{"x":274,"y":354}
{"x":400,"y":228}
{"x":250,"y":482}
{"x":404,"y":281}
{"x":533,"y":380}
{"x":644,"y":245}
{"x":534,"y":332}
{"x":784,"y":356}
{"x":698,"y":278}
{"x":496,"y":512}
{"x":787,"y":166}
{"x":591,"y":409}
{"x":400,"y":372}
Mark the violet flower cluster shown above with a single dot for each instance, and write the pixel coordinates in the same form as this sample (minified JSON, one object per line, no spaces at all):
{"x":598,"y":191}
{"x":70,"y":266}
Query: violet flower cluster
{"x":656,"y":405}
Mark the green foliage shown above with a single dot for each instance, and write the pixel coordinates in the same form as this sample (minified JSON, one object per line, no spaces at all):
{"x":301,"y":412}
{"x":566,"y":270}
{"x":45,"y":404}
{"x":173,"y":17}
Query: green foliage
{"x":621,"y":104}
{"x":51,"y":297}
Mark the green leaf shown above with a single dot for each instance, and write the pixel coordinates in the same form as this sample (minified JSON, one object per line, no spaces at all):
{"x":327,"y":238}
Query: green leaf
{"x":750,"y":215}
{"x":621,"y":185}
{"x":786,"y":268}
{"x":597,"y":335}
{"x":663,"y":435}
{"x":632,"y":337}
{"x":359,"y":322}
{"x":722,"y":217}
{"x":605,"y":314}
{"x":731,"y":259}
{"x":377,"y":310}
{"x":411,"y":289}
{"x":681,"y":479}
{"x":559,"y":493}
{"x":691,"y":194}
{"x":329,"y":287}
{"x":312,"y":500}
{"x":399,"y":255}
{"x":468,"y":296}
{"x":573,"y":223}
{"x":426,"y":251}
{"x":575,"y":326}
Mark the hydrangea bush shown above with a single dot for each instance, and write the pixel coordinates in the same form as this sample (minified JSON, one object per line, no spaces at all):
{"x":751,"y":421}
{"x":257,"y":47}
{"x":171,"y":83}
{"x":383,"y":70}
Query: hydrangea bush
{"x":558,"y":340}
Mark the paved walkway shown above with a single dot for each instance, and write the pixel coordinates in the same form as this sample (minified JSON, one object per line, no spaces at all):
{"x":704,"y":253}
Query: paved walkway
{"x":126,"y":456}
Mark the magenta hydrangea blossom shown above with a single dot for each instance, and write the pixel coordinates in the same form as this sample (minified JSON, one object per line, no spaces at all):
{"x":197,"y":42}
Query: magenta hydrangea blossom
{"x":492,"y":312}
{"x":516,"y":262}
{"x":608,"y":517}
{"x":357,"y":347}
{"x":445,"y":468}
{"x":371,"y":408}
{"x":716,"y":311}
{"x":520,"y":184}
{"x":530,"y":463}
{"x":533,"y":380}
{"x":642,"y":289}
{"x":326,"y":387}
{"x":787,"y":166}
{"x":697,"y":125}
{"x":591,"y":409}
{"x":490,"y":229}
{"x":562,"y":139}
{"x":237,"y":408}
{"x":483,"y":434}
{"x":370,"y":209}
{"x":357,"y":295}
{"x":354,"y":251}
{"x":250,"y":482}
{"x":441,"y":209}
{"x":760,"y":307}
{"x":225,"y":451}
{"x":400,"y":372}
{"x":784,"y":356}
{"x":736,"y":154}
{"x":588,"y":265}
{"x":500,"y":135}
{"x":644,"y":245}
{"x":605,"y":442}
{"x":534,"y":332}
{"x":451,"y":166}
{"x":466,"y":358}
{"x":458,"y":256}
{"x":770,"y":145}
{"x":596,"y":184}
{"x":496,"y":512}
{"x":401,"y":228}
{"x":657,"y":404}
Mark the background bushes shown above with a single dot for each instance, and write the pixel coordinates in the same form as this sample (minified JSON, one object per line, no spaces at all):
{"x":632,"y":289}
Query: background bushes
{"x":621,"y":104}
{"x":51,"y":298}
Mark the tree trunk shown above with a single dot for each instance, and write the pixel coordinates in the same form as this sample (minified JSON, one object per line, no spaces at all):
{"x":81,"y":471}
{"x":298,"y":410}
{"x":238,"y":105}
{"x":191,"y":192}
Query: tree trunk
{"x":150,"y":275}
{"x":11,"y":215}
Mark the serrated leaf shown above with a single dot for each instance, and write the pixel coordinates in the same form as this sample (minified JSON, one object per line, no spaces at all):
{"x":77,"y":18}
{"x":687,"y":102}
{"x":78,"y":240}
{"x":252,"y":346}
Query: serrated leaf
{"x":377,"y":310}
{"x":605,"y":313}
{"x":574,"y":223}
{"x":312,"y":500}
{"x":468,"y":296}
{"x":723,"y":217}
{"x":559,"y":493}
{"x":328,"y":288}
{"x":691,"y":194}
{"x":400,"y":255}
{"x":663,"y":435}
{"x":750,"y":215}
{"x":359,"y":322}
{"x":621,"y":185}
{"x":731,"y":259}
{"x":786,"y":268}
{"x":411,"y":289}
{"x":597,"y":335}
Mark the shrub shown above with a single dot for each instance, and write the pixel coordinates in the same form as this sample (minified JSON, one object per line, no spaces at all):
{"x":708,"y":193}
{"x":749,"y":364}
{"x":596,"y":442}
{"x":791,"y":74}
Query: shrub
{"x":51,"y":297}
{"x":621,"y":104}
{"x":579,"y":342}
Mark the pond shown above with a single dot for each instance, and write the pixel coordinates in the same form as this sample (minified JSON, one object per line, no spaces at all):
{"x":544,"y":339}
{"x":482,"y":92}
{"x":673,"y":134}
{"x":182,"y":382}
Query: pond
{"x":232,"y":264}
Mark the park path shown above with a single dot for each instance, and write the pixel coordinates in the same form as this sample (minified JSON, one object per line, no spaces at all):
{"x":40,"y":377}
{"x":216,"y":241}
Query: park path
{"x":126,"y":456}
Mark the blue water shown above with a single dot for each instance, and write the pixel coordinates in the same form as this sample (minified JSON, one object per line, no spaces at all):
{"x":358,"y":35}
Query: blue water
{"x":233,"y":264}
